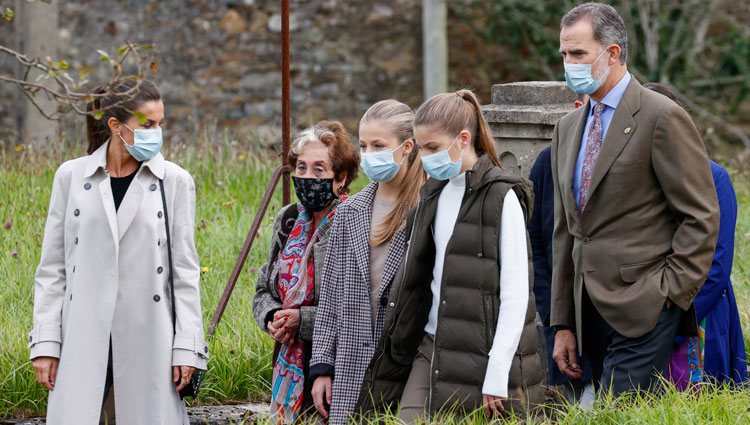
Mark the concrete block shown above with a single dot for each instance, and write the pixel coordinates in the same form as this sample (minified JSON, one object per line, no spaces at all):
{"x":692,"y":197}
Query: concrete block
{"x":522,"y":117}
{"x":532,"y":93}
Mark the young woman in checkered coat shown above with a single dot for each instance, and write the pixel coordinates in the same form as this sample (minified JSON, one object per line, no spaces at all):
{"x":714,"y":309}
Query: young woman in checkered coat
{"x":288,"y":287}
{"x":365,"y":249}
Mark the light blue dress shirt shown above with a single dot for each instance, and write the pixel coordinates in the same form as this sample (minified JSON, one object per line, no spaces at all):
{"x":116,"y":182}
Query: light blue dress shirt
{"x":611,"y":100}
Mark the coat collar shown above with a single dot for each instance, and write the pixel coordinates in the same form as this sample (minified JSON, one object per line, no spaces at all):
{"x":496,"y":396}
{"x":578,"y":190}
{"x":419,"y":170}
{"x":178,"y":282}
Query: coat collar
{"x":98,"y":160}
{"x":620,"y":131}
{"x":360,"y":226}
{"x":475,"y":178}
{"x":483,"y":173}
{"x":364,"y":198}
{"x":573,"y":145}
{"x":121,"y":219}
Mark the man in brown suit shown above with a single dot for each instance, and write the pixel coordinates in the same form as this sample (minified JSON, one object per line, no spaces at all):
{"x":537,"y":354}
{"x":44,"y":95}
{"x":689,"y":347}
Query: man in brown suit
{"x":636,"y":214}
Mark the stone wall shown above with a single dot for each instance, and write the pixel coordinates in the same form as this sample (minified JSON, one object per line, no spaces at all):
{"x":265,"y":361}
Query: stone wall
{"x":8,"y":93}
{"x":219,"y":60}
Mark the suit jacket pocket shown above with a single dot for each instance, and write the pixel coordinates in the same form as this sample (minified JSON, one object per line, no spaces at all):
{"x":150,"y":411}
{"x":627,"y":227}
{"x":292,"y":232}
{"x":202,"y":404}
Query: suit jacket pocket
{"x":632,"y":272}
{"x":625,"y":167}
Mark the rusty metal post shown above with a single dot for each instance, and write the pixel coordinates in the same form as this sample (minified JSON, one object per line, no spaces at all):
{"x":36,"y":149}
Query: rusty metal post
{"x":282,"y":172}
{"x":246,"y":247}
{"x":286,"y":111}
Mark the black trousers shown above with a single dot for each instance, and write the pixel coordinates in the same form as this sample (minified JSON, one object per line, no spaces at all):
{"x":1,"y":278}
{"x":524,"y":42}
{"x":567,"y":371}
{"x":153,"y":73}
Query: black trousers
{"x":109,"y":380}
{"x":624,"y":364}
{"x":107,"y":415}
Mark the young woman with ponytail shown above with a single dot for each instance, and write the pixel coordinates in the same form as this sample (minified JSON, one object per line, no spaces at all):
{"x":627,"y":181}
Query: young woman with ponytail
{"x":366,"y":246}
{"x":463,"y":311}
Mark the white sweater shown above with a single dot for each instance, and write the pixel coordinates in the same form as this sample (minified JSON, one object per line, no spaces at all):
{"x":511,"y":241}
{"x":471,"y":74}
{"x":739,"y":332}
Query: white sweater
{"x":514,"y":279}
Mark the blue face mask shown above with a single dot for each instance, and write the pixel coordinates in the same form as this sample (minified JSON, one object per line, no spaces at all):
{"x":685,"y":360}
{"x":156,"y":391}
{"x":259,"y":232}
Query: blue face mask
{"x":580,"y":78}
{"x":439,"y":165}
{"x":380,"y":166}
{"x":146,"y":143}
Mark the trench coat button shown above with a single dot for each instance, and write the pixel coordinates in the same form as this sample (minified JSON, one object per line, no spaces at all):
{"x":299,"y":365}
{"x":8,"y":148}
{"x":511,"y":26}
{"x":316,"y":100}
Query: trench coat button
{"x":77,"y":212}
{"x":156,"y":298}
{"x":159,"y":269}
{"x":437,"y":372}
{"x":392,"y":304}
{"x":586,"y":240}
{"x":87,"y":186}
{"x":153,"y":187}
{"x":205,"y":349}
{"x":159,"y":214}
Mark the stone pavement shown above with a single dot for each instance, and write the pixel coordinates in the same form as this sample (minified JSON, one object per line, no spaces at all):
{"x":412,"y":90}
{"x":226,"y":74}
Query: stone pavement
{"x":199,"y":415}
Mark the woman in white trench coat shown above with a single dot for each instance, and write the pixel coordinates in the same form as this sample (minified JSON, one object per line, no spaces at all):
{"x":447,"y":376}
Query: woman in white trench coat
{"x":102,"y":308}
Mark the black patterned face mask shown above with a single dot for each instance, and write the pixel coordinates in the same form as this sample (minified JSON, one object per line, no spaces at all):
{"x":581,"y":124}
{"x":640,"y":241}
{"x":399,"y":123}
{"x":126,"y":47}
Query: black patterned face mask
{"x":314,"y":194}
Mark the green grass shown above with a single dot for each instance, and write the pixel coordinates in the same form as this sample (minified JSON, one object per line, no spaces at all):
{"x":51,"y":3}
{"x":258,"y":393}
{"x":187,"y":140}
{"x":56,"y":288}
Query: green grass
{"x":230,"y":182}
{"x":708,"y":405}
{"x":229,"y":191}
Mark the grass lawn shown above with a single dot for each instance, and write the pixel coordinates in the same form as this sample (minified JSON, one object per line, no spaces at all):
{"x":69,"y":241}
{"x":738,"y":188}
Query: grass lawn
{"x":230,"y":182}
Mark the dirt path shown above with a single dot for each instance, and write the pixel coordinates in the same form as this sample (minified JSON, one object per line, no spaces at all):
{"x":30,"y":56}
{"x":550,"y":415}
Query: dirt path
{"x":199,"y":415}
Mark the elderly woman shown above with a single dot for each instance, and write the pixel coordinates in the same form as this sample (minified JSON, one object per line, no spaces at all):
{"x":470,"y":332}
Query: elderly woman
{"x":288,"y":286}
{"x":113,"y":320}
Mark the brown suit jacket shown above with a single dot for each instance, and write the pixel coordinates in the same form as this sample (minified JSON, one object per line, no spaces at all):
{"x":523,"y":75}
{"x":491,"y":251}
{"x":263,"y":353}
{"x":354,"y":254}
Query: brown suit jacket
{"x":650,"y":226}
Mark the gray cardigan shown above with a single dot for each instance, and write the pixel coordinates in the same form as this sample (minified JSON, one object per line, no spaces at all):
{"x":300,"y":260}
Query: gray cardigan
{"x":267,"y":300}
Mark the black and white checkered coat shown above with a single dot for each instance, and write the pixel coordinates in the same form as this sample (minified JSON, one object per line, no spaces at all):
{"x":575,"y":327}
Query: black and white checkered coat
{"x":344,"y":338}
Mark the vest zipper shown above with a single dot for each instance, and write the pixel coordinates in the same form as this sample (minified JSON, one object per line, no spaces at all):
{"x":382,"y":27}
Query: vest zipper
{"x":467,"y":193}
{"x":432,"y":372}
{"x":488,"y":325}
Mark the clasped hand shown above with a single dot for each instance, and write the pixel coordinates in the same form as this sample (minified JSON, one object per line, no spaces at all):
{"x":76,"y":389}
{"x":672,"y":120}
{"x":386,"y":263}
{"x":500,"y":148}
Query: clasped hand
{"x":285,"y":326}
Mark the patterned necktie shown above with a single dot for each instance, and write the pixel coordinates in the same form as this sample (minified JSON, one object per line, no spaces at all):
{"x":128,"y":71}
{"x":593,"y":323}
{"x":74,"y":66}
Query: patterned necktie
{"x":593,"y":146}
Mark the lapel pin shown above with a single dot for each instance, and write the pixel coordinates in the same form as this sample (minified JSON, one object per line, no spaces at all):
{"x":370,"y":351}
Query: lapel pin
{"x":627,"y":130}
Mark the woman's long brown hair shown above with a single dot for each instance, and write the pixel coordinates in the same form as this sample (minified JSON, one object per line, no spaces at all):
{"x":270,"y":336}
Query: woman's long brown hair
{"x":121,"y":99}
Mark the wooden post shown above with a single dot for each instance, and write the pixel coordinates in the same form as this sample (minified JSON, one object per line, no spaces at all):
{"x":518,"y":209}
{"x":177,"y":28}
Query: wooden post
{"x":435,"y":47}
{"x":38,"y":27}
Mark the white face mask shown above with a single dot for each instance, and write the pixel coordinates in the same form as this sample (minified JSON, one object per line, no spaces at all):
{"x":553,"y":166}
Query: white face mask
{"x":146,"y":143}
{"x":439,"y":165}
{"x":380,"y":166}
{"x":580,"y":78}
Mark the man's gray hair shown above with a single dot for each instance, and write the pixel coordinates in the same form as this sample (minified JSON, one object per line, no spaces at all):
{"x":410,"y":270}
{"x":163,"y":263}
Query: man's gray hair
{"x":609,"y":28}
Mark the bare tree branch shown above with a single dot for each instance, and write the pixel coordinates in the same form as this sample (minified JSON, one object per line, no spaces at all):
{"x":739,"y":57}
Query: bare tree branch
{"x":650,"y":28}
{"x":69,"y":94}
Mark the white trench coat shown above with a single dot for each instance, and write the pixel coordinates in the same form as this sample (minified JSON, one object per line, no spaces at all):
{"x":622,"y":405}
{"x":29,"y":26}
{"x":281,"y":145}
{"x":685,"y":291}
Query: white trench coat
{"x":104,"y":273}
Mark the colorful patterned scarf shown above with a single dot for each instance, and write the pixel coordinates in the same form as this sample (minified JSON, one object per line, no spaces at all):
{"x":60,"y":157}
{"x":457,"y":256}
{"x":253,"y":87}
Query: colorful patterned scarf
{"x":296,"y":286}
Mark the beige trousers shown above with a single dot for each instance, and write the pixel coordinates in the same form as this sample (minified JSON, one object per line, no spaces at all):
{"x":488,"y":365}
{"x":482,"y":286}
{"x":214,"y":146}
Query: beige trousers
{"x":415,"y":400}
